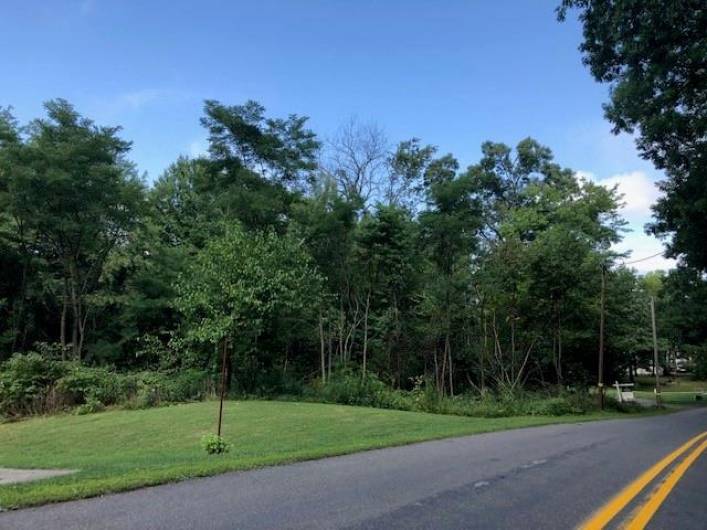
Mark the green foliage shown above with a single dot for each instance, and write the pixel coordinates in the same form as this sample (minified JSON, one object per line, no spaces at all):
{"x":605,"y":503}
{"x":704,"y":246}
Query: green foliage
{"x":32,"y":384}
{"x":241,"y":135}
{"x":438,"y":288}
{"x":492,"y":405}
{"x":241,"y":281}
{"x":72,"y":196}
{"x":214,"y":444}
{"x":82,"y":384}
{"x":25,"y":383}
{"x":91,"y":406}
{"x":242,"y":287}
{"x":653,"y":55}
{"x":157,"y":388}
{"x":700,"y":362}
{"x":349,"y":388}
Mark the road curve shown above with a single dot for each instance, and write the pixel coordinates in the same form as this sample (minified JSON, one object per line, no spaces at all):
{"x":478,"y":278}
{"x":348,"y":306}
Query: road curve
{"x":545,"y":477}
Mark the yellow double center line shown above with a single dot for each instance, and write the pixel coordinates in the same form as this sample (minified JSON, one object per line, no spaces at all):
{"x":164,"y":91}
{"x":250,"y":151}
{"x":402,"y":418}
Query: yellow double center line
{"x":619,"y":502}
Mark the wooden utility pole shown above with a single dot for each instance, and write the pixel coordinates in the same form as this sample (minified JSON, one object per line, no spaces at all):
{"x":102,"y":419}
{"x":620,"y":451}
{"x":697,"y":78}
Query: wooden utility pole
{"x":601,"y":337}
{"x":223,"y":383}
{"x":655,"y":354}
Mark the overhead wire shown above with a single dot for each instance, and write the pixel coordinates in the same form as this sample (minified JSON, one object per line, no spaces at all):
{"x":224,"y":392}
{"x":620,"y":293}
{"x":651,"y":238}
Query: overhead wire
{"x":641,"y":259}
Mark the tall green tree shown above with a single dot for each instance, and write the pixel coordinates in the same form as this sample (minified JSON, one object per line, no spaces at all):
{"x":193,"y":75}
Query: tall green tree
{"x":544,"y":235}
{"x":240,"y":136}
{"x":240,"y":286}
{"x":683,"y":315}
{"x":449,"y":230}
{"x":69,"y":183}
{"x":383,"y":257}
{"x":653,"y":55}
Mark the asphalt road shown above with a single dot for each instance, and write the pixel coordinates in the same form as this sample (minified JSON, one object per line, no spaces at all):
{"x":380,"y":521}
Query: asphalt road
{"x":545,"y":477}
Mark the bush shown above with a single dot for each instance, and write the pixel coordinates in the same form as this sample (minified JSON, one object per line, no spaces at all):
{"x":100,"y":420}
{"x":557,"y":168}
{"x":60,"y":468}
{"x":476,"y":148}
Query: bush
{"x":189,"y":385}
{"x":155,"y":388}
{"x":33,"y":384}
{"x":556,"y":406}
{"x":82,"y":383}
{"x":350,"y":388}
{"x":26,"y":382}
{"x":425,"y":397}
{"x":611,"y":403}
{"x":91,"y":406}
{"x":700,"y":361}
{"x":214,"y":444}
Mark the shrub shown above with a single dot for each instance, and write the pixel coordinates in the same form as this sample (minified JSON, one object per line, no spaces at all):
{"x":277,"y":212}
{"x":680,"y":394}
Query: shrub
{"x":25,"y":383}
{"x":214,"y":444}
{"x":52,"y":350}
{"x":32,"y":383}
{"x":700,"y":361}
{"x":425,"y":397}
{"x":554,"y":406}
{"x":155,"y":388}
{"x":611,"y":403}
{"x":82,"y":383}
{"x":91,"y":406}
{"x":350,"y":388}
{"x":189,"y":385}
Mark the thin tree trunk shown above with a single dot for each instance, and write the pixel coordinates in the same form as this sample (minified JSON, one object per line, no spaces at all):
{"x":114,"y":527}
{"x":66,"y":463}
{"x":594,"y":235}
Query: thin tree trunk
{"x":448,"y":347}
{"x":558,"y":340}
{"x":513,"y":345}
{"x":330,"y":353}
{"x":554,"y":352}
{"x":441,"y":385}
{"x":321,"y":348}
{"x":76,"y":309}
{"x":398,"y":367}
{"x":18,"y":320}
{"x":436,"y":364}
{"x":82,"y":326}
{"x":484,"y":353}
{"x":365,"y":333}
{"x":229,"y":364}
{"x":287,"y":354}
{"x":62,"y":330}
{"x":342,"y":322}
{"x":559,"y":354}
{"x":18,"y":317}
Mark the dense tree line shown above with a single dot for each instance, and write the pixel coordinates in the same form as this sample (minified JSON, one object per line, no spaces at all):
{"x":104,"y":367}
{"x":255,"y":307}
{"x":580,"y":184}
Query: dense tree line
{"x":301,"y":257}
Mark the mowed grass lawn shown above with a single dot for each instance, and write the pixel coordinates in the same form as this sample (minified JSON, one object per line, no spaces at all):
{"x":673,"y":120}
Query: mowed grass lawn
{"x":123,"y":449}
{"x":674,"y":397}
{"x":680,"y":391}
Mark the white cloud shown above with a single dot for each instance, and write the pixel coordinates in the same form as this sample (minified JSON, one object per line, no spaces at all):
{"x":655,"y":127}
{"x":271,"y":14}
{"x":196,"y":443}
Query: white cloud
{"x":641,"y":245}
{"x":638,"y":190}
{"x":639,"y":193}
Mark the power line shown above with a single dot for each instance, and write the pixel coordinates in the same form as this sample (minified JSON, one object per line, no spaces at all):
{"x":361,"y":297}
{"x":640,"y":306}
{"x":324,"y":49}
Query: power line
{"x":641,"y":259}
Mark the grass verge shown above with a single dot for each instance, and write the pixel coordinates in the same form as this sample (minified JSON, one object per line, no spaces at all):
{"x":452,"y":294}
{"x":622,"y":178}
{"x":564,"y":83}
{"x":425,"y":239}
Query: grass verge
{"x":125,"y":449}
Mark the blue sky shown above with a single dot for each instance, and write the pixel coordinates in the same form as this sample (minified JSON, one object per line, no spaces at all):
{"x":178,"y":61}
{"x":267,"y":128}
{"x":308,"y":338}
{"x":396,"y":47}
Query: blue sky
{"x":454,"y":73}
